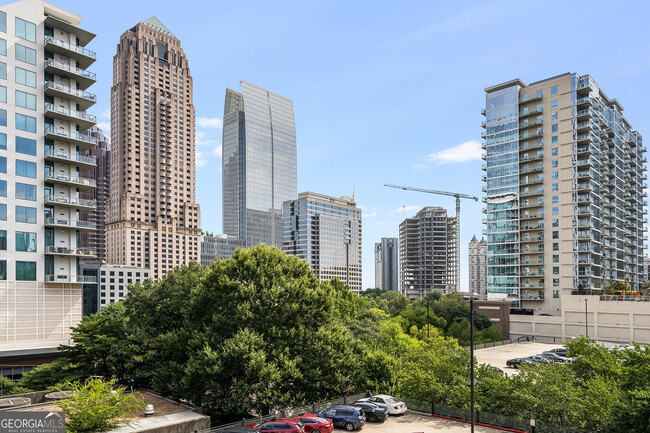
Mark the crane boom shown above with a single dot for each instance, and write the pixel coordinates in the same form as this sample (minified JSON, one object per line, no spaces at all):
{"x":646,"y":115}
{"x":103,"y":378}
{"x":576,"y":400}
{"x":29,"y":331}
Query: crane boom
{"x":458,"y":196}
{"x":433,"y":191}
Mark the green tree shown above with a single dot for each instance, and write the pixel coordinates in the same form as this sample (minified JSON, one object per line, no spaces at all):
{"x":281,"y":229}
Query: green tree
{"x":98,"y":406}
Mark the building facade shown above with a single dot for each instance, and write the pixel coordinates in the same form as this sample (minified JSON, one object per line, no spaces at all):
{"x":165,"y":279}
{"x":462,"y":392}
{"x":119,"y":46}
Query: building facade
{"x":387,"y":264}
{"x":478,"y":266}
{"x":43,"y":132}
{"x":96,"y":239}
{"x":326,"y":232}
{"x":218,"y":247}
{"x":427,"y":253}
{"x":114,"y":282}
{"x":153,"y":221}
{"x":259,"y":164}
{"x":564,"y":191}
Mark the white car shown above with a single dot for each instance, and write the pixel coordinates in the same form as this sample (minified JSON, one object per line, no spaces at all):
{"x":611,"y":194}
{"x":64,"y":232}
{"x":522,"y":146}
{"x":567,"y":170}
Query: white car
{"x":395,"y":407}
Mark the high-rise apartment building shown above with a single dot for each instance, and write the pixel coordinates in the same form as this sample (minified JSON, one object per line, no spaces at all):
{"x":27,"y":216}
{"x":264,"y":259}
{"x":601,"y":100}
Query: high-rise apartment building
{"x":564,"y":191}
{"x":427,"y":253}
{"x":43,"y":123}
{"x":477,"y":252}
{"x":326,"y":232}
{"x":259,"y":164}
{"x":96,"y":239}
{"x":387,"y":264}
{"x":153,"y":220}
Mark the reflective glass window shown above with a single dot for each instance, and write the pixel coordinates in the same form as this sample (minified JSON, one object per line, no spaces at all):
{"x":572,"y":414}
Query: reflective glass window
{"x":3,"y":70}
{"x":25,"y":191}
{"x":25,"y":54}
{"x":25,"y":214}
{"x":3,"y":212}
{"x":25,"y":271}
{"x":25,"y":168}
{"x":25,"y":123}
{"x":25,"y":100}
{"x":3,"y":47}
{"x":25,"y":30}
{"x":23,"y":76}
{"x":26,"y":146}
{"x":553,"y":90}
{"x":26,"y":242}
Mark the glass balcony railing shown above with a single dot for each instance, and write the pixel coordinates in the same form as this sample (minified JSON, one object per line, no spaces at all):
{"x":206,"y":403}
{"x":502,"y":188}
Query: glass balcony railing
{"x":70,"y":91}
{"x":78,"y":114}
{"x":72,"y":69}
{"x":70,"y":179}
{"x":53,"y":153}
{"x":69,"y":279}
{"x":70,"y":251}
{"x":75,"y":135}
{"x":69,"y":201}
{"x":68,"y":46}
{"x":70,"y":223}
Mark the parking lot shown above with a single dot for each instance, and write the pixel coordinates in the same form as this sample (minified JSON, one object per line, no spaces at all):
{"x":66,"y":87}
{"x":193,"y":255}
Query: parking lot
{"x":497,"y":356}
{"x":415,"y":423}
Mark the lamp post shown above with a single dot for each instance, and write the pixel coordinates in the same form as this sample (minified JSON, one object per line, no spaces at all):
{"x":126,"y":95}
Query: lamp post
{"x":471,"y":360}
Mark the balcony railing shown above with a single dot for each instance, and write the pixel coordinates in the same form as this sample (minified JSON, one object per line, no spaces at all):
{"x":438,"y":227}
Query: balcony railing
{"x":72,"y":201}
{"x":69,"y":279}
{"x":75,"y":135}
{"x":71,"y":157}
{"x":72,"y":69}
{"x":70,"y":251}
{"x":78,"y":114}
{"x":70,"y":178}
{"x":70,"y":223}
{"x":68,"y":46}
{"x":70,"y":91}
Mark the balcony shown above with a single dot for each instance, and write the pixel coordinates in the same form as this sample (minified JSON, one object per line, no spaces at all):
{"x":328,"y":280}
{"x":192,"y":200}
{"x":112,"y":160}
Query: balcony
{"x":535,"y":134}
{"x":532,"y":181}
{"x":530,"y":99}
{"x":82,"y":119}
{"x":73,"y":224}
{"x":70,"y":180}
{"x":584,"y":100}
{"x":83,"y":56}
{"x":527,"y":158}
{"x":585,"y":114}
{"x":483,"y":124}
{"x":85,"y":100}
{"x":532,"y":296}
{"x":83,"y":140}
{"x":74,"y":202}
{"x":531,"y":204}
{"x":84,"y":78}
{"x":483,"y":111}
{"x":531,"y":112}
{"x":70,"y":279}
{"x":65,"y":251}
{"x":84,"y":162}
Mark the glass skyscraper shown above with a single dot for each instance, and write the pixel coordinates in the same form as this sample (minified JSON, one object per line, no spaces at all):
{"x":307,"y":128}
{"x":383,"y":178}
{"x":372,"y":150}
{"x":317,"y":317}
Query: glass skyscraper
{"x":259,"y":164}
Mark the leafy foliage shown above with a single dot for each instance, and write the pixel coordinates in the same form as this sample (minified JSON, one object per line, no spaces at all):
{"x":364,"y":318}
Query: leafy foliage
{"x":97,"y":406}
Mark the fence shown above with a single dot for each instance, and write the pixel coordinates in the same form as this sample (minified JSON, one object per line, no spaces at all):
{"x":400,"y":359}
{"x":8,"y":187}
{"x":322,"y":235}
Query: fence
{"x":503,"y":342}
{"x":488,"y":418}
{"x":313,"y":408}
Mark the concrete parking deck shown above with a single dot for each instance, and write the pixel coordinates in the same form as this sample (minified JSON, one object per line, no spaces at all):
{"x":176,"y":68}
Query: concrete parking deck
{"x":417,"y":423}
{"x":497,"y":356}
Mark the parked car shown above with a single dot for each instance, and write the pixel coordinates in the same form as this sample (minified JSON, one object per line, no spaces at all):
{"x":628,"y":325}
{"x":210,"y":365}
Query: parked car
{"x":497,"y":370}
{"x":554,"y":357}
{"x":348,"y":417}
{"x":373,"y":412}
{"x":536,"y":359}
{"x":281,"y":425}
{"x":562,"y":351}
{"x":622,"y":347}
{"x":514,"y":362}
{"x":395,"y":407}
{"x":315,"y":424}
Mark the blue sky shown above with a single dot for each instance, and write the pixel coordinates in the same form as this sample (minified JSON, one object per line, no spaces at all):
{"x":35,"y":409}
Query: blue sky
{"x":383,"y":92}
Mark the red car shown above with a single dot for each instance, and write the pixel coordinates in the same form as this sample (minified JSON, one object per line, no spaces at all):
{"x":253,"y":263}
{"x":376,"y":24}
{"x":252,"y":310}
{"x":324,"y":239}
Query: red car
{"x":315,"y":424}
{"x":281,"y":425}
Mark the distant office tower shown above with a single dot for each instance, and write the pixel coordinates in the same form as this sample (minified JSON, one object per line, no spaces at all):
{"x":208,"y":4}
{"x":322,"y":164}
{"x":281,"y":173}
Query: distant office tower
{"x":96,"y":240}
{"x":259,"y":164}
{"x":478,"y":266}
{"x":565,"y":199}
{"x":44,"y":121}
{"x":326,"y":232}
{"x":218,"y":247}
{"x":153,"y":219}
{"x":387,"y":264}
{"x":427,"y":253}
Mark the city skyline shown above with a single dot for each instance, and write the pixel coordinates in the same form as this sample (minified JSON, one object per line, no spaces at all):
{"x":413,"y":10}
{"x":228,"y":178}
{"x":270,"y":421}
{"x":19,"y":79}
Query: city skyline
{"x":338,"y":110}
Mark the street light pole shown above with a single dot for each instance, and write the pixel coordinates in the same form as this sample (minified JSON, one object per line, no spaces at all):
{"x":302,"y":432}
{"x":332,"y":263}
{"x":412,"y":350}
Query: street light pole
{"x":471,"y":361}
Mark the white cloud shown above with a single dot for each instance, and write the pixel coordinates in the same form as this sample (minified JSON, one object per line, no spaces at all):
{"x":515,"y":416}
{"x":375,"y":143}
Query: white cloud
{"x":217,"y":151}
{"x":466,"y":151}
{"x":105,"y":113}
{"x":209,"y":122}
{"x":419,"y":167}
{"x":407,"y":209}
{"x":368,"y":211}
{"x":200,"y":159}
{"x":105,"y":127}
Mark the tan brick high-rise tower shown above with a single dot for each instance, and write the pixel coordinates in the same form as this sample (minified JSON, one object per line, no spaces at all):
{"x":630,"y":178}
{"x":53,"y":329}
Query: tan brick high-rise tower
{"x":153,"y":220}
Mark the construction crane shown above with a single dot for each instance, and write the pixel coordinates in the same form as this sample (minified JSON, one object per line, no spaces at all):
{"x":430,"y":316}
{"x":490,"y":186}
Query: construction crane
{"x":451,"y":194}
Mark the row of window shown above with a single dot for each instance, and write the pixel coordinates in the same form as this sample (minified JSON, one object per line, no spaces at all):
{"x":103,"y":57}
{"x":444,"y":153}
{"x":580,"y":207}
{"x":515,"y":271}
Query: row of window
{"x":23,"y":145}
{"x":23,"y":214}
{"x":25,"y":271}
{"x":23,"y":76}
{"x":23,"y":122}
{"x":23,"y":191}
{"x":23,"y":168}
{"x":25,"y":241}
{"x":22,"y":53}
